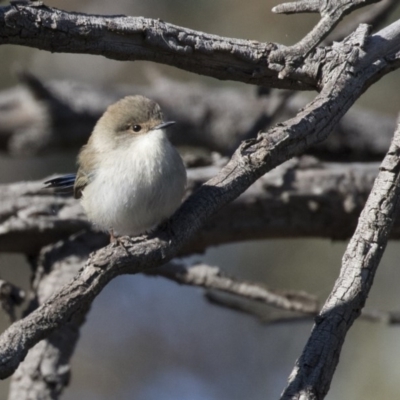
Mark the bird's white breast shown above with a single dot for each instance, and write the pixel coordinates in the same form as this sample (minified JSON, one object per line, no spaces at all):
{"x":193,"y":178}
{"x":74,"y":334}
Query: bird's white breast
{"x":136,"y":187}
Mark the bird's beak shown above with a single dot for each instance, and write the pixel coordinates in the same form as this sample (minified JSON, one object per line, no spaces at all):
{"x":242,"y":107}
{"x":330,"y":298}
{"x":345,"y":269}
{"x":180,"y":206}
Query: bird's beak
{"x":164,"y":125}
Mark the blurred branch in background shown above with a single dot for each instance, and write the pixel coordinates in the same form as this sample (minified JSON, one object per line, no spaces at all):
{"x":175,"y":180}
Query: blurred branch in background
{"x":273,"y":315}
{"x":11,"y":296}
{"x":62,"y":115}
{"x":212,"y":278}
{"x":301,"y":198}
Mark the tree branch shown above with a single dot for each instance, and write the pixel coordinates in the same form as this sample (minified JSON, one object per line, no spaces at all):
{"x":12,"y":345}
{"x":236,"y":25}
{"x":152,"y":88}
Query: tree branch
{"x":312,"y":375}
{"x":46,"y":370}
{"x":373,"y":16}
{"x":10,"y":297}
{"x":267,"y":315}
{"x":212,"y":278}
{"x":138,"y":38}
{"x":332,"y":11}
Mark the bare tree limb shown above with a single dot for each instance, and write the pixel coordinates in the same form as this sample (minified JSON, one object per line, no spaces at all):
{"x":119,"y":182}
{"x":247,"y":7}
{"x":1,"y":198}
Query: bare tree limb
{"x":137,"y":38}
{"x":45,"y":371}
{"x":212,"y":278}
{"x":332,"y":11}
{"x":269,"y":315}
{"x":355,"y":137}
{"x":265,"y":315}
{"x":62,"y":115}
{"x":130,"y":38}
{"x":312,"y":375}
{"x":373,"y":16}
{"x":215,"y":119}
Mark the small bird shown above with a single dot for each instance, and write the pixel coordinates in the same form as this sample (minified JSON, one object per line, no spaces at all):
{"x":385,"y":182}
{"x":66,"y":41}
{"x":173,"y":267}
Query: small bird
{"x":130,"y":177}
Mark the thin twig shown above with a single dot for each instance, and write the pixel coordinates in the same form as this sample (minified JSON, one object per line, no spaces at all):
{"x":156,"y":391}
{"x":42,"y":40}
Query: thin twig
{"x":332,"y":11}
{"x":212,"y":278}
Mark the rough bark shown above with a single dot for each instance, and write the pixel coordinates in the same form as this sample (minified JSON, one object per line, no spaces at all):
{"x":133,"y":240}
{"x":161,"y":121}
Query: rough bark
{"x":374,"y":16}
{"x":46,"y":370}
{"x":137,"y":38}
{"x":312,"y":375}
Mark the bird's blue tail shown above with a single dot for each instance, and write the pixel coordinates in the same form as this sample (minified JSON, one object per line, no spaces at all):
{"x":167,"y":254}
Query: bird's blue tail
{"x":62,"y":185}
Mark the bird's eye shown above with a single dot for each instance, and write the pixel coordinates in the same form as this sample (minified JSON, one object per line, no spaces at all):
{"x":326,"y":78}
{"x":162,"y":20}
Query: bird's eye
{"x":137,"y":128}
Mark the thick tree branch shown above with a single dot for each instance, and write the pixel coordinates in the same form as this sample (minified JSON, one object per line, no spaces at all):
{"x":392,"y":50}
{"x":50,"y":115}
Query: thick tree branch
{"x":312,"y":375}
{"x":137,"y":38}
{"x":46,"y":370}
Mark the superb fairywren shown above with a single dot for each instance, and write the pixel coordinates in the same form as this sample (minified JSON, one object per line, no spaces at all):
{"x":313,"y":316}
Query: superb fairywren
{"x":130,"y":177}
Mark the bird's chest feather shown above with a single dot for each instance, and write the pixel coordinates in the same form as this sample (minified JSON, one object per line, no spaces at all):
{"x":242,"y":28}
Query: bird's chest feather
{"x":137,"y":186}
{"x":136,"y":173}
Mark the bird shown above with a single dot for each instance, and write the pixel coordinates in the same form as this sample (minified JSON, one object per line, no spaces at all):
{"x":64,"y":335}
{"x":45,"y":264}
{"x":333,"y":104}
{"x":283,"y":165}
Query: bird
{"x":130,"y":177}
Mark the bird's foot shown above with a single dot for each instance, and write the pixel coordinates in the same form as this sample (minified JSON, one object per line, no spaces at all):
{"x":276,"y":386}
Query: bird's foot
{"x":118,"y":241}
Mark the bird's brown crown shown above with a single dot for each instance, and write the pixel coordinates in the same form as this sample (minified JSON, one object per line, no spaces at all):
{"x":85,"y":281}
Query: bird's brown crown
{"x":134,"y":115}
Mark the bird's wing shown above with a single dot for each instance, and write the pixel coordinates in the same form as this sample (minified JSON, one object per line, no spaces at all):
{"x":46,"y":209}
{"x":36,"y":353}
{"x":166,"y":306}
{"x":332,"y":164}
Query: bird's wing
{"x":87,"y":161}
{"x":62,"y":181}
{"x":62,"y":185}
{"x":81,"y":181}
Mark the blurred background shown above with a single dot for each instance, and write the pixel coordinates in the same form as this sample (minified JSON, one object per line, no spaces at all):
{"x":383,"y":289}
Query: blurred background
{"x":147,"y":338}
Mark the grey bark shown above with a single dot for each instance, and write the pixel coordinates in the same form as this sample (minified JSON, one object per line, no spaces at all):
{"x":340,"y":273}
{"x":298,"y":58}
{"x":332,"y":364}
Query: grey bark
{"x":331,"y":13}
{"x":46,"y":370}
{"x":138,"y":38}
{"x":375,"y":16}
{"x":312,"y":375}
